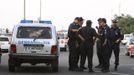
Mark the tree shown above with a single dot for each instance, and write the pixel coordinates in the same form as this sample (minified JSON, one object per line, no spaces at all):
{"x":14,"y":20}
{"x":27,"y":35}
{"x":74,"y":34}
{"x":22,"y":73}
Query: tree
{"x":126,"y":22}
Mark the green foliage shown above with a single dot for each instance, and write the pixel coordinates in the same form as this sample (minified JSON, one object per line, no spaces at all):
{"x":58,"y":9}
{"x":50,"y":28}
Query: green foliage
{"x":126,"y":22}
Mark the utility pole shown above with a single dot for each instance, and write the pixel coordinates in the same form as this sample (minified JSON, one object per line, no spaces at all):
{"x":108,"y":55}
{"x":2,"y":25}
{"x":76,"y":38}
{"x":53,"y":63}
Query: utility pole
{"x":24,"y":9}
{"x":119,"y":8}
{"x":40,"y":9}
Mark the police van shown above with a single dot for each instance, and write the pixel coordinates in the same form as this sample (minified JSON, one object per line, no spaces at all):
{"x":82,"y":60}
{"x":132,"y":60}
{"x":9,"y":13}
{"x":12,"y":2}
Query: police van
{"x":34,"y":43}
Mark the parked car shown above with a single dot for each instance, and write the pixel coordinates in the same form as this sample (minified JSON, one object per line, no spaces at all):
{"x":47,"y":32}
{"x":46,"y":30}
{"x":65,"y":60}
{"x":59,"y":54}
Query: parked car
{"x":126,"y":38}
{"x":130,"y":47}
{"x":62,"y":39}
{"x":4,"y":42}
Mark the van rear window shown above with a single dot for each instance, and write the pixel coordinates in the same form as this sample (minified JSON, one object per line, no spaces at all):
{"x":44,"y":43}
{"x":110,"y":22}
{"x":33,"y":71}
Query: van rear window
{"x":34,"y":32}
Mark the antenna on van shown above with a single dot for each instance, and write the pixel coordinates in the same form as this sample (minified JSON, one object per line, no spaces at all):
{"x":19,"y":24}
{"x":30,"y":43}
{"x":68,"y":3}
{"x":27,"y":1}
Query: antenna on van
{"x":40,"y":10}
{"x":24,"y":9}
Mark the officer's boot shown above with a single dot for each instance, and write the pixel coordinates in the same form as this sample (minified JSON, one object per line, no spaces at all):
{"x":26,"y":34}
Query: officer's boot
{"x":116,"y":68}
{"x":105,"y":70}
{"x":90,"y":70}
{"x":98,"y":66}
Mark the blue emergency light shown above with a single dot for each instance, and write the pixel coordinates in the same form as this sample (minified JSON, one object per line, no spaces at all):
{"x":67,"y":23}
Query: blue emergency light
{"x":41,"y":21}
{"x":45,"y":22}
{"x":26,"y":21}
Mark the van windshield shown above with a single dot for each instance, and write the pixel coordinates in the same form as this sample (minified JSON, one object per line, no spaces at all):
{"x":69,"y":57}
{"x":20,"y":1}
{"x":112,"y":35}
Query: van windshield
{"x":34,"y":32}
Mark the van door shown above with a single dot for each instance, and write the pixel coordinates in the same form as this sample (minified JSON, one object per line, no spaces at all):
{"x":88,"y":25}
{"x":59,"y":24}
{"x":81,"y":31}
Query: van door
{"x":34,"y":40}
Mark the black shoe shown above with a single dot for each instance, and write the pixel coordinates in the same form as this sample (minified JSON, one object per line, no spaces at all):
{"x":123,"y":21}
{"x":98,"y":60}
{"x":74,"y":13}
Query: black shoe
{"x":115,"y":69}
{"x":116,"y":66}
{"x":84,"y":68}
{"x":91,"y":70}
{"x":98,"y":66}
{"x":81,"y":70}
{"x":105,"y":70}
{"x":102,"y":69}
{"x":77,"y":69}
{"x":72,"y":69}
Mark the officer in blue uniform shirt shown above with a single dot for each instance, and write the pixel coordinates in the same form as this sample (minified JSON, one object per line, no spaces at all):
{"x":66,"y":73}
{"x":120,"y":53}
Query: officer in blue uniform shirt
{"x":105,"y":40}
{"x":72,"y":43}
{"x":116,"y":37}
{"x":99,"y":45}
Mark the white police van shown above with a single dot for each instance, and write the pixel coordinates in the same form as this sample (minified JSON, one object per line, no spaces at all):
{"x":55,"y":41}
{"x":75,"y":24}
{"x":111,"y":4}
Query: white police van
{"x":34,"y":43}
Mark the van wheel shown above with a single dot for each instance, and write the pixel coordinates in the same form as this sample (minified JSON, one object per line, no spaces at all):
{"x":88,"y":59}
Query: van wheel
{"x":11,"y":65}
{"x":18,"y":64}
{"x":55,"y":66}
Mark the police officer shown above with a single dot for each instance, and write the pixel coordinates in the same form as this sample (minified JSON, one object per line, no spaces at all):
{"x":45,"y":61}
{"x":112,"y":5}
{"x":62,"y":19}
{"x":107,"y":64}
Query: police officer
{"x":117,"y":36}
{"x":72,"y":43}
{"x":78,"y":40}
{"x":99,"y":45}
{"x":87,"y":35}
{"x":105,"y":39}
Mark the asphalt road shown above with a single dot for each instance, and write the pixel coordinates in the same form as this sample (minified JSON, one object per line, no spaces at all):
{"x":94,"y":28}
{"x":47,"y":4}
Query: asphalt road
{"x":126,"y":67}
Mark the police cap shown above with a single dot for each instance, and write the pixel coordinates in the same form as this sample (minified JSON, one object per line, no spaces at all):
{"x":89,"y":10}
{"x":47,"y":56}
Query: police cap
{"x":114,"y":21}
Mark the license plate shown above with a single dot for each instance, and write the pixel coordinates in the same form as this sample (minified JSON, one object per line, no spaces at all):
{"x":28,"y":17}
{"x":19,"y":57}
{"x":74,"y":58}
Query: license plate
{"x":33,"y":48}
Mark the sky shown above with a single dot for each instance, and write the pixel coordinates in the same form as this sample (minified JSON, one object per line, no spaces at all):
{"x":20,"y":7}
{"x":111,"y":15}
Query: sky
{"x":62,"y":12}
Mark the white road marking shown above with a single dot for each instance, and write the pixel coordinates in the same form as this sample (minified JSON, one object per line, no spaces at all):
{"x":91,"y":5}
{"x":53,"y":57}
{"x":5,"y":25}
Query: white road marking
{"x":119,"y":73}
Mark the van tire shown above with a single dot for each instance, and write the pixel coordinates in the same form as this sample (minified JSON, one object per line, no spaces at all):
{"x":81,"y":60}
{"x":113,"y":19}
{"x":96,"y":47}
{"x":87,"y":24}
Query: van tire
{"x":11,"y":65}
{"x":18,"y":64}
{"x":55,"y":66}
